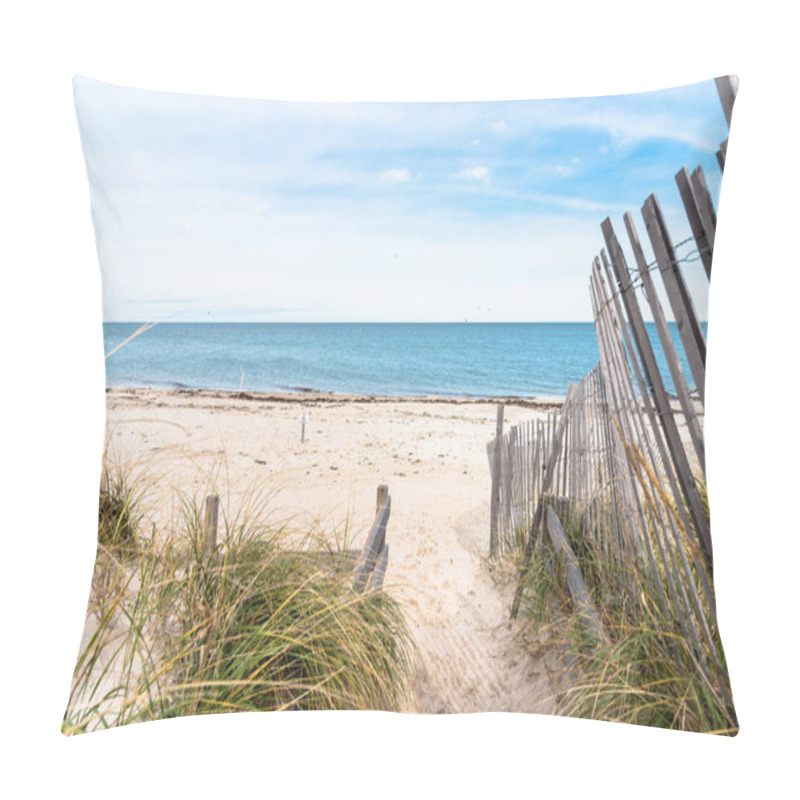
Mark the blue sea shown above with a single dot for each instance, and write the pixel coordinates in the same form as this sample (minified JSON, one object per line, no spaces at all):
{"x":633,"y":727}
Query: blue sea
{"x":403,"y":359}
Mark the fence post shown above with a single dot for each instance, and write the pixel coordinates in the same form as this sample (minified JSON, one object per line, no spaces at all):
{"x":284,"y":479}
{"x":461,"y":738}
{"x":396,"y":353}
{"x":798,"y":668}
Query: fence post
{"x":210,"y":524}
{"x":498,"y":460}
{"x":376,"y":542}
{"x":383,"y":490}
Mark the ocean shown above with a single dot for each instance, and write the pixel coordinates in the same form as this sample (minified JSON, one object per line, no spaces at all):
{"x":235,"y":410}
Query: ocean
{"x":537,"y":359}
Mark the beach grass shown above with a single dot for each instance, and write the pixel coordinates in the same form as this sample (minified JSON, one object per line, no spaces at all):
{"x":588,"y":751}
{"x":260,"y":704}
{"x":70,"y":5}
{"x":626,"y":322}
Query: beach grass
{"x":645,"y":669}
{"x":118,"y":517}
{"x":254,"y":625}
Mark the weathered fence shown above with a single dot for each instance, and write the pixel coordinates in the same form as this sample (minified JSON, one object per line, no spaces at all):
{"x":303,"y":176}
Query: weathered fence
{"x":371,"y":566}
{"x":518,"y":461}
{"x":623,"y":461}
{"x":368,"y":565}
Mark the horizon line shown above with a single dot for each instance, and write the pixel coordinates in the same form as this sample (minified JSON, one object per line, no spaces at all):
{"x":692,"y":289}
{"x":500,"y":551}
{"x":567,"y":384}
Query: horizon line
{"x":359,"y":322}
{"x":346,"y":322}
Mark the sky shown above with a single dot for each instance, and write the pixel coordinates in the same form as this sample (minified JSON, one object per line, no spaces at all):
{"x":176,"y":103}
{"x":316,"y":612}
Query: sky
{"x":221,"y":209}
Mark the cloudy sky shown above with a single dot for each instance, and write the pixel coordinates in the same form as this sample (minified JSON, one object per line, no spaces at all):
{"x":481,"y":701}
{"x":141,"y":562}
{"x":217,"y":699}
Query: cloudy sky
{"x":222,"y":209}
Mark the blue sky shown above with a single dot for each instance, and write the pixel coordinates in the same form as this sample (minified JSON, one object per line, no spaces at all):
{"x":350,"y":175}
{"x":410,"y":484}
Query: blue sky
{"x":227,"y":209}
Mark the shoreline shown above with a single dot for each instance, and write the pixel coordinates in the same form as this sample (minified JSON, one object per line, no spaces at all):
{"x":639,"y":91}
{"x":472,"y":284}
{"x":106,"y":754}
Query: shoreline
{"x":311,"y":396}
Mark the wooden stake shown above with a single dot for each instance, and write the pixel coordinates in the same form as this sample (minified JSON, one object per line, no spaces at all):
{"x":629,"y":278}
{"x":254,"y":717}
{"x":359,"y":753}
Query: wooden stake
{"x":375,"y":541}
{"x":210,"y":524}
{"x":495,"y":501}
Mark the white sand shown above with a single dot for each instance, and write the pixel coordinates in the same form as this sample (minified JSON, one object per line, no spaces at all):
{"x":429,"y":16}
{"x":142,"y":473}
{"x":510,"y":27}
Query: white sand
{"x":432,"y":455}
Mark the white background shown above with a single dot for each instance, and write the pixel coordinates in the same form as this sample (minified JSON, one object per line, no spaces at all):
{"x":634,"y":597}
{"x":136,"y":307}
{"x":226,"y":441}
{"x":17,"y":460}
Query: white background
{"x":52,"y":384}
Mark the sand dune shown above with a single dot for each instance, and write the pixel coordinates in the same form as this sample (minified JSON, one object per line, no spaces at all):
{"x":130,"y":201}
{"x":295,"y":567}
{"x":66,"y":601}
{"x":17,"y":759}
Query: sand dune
{"x":432,"y":455}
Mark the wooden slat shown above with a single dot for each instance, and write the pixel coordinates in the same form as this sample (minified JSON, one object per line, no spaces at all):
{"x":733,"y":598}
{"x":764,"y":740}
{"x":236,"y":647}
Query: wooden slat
{"x":495,"y":502}
{"x":375,"y":541}
{"x":591,"y":488}
{"x":727,"y":87}
{"x":704,"y":242}
{"x":722,"y":154}
{"x":511,"y":477}
{"x":508,"y":471}
{"x":577,"y":586}
{"x":691,"y":333}
{"x":378,"y":574}
{"x":380,"y":497}
{"x":705,"y":205}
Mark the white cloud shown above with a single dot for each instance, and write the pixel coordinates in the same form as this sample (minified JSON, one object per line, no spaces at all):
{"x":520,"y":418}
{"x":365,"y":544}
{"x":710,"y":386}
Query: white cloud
{"x":396,"y":175}
{"x":192,"y":211}
{"x":473,"y":174}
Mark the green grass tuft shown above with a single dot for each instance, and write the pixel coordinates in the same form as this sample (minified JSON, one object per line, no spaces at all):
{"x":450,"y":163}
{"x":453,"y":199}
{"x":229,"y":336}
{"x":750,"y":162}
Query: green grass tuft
{"x":118,"y":517}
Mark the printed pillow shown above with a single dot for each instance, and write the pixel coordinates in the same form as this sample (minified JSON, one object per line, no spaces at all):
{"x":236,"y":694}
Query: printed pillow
{"x":405,"y":407}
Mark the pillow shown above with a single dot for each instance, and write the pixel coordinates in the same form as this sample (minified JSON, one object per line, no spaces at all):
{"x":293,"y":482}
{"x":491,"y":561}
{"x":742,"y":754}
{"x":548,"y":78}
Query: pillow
{"x":405,"y":407}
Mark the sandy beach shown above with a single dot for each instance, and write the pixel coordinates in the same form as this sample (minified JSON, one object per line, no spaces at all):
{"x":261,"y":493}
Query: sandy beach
{"x":432,"y":454}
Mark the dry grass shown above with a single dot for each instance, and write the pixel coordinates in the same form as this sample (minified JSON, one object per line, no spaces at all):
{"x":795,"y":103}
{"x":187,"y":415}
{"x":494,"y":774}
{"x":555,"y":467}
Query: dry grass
{"x":172,"y":630}
{"x":647,"y":671}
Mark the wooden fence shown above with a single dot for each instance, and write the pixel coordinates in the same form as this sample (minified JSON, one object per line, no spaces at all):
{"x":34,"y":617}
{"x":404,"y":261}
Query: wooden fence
{"x":518,"y":461}
{"x":623,"y":461}
{"x":372,"y":562}
{"x":368,"y":565}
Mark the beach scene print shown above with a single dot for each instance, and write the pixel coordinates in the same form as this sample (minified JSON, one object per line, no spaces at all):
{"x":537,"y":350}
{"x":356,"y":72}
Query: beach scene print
{"x":404,"y":407}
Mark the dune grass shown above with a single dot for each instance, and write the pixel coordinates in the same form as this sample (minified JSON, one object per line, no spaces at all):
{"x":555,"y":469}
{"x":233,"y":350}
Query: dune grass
{"x":118,"y":517}
{"x":172,"y":630}
{"x":646,"y":671}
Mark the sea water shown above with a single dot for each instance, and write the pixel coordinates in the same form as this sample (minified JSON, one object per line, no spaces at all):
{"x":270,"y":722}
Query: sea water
{"x":537,"y":359}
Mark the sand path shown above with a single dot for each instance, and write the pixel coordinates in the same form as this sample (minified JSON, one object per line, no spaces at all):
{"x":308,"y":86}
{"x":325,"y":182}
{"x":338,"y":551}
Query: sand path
{"x":432,"y":456}
{"x":468,"y":660}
